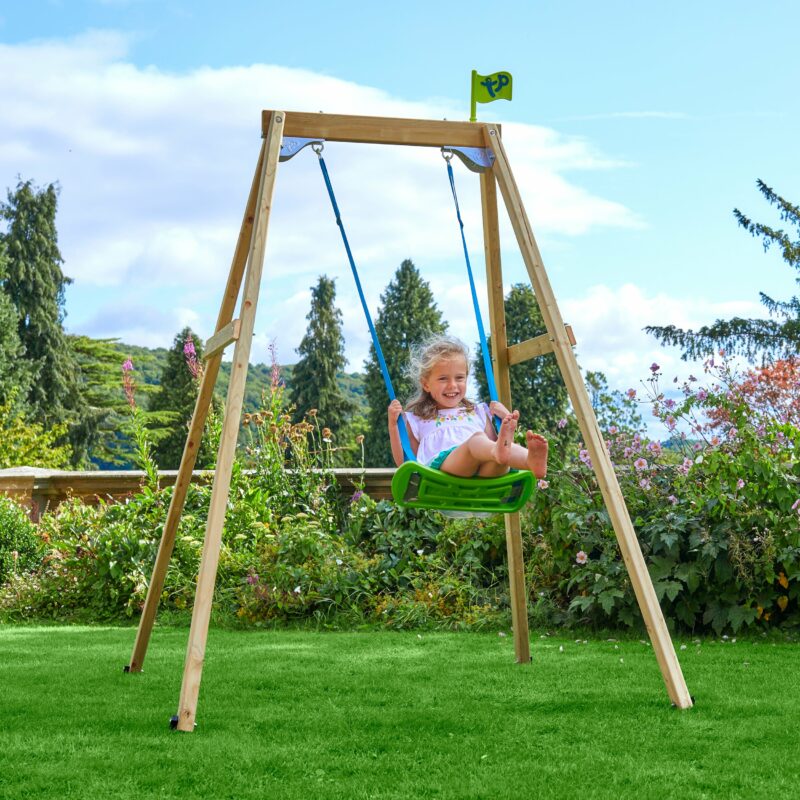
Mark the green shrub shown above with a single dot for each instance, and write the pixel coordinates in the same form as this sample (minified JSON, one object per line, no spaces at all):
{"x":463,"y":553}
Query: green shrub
{"x":719,"y":529}
{"x":20,"y":546}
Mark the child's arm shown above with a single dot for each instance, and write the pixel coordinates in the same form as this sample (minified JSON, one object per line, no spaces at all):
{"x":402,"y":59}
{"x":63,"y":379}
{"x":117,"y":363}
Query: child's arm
{"x":496,"y":409}
{"x":395,"y":410}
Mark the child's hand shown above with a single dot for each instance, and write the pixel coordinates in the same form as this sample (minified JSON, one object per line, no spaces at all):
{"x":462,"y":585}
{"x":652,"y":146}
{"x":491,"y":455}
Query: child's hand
{"x":497,"y":409}
{"x":395,"y":410}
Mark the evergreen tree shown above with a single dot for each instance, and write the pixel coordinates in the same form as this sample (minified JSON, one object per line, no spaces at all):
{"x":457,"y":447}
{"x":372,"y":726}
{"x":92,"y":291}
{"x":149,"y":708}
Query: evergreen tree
{"x":314,"y":383}
{"x":35,"y":285}
{"x":537,"y":389}
{"x":99,"y":363}
{"x":14,"y":372}
{"x":176,"y":395}
{"x":775,"y":337}
{"x":408,"y":316}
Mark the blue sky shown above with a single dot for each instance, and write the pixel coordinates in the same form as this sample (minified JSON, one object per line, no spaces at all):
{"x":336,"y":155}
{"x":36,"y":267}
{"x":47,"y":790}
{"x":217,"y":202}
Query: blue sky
{"x":634,"y":131}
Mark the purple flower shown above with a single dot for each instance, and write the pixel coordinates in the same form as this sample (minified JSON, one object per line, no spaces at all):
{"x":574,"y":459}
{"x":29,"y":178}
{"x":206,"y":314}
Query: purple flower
{"x":562,"y":423}
{"x":631,"y":393}
{"x":654,"y":367}
{"x":702,"y":395}
{"x":127,"y":366}
{"x":640,"y":464}
{"x":584,"y":457}
{"x":669,"y":403}
{"x":672,"y":499}
{"x":645,"y":483}
{"x":252,"y":579}
{"x":356,"y":496}
{"x":188,"y":348}
{"x":740,"y":484}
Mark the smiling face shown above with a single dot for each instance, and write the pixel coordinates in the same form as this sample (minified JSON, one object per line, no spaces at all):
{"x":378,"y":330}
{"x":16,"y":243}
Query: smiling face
{"x":447,"y":382}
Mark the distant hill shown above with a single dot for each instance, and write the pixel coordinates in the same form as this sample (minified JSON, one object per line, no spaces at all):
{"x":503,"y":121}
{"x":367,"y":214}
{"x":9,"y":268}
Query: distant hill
{"x":150,"y":362}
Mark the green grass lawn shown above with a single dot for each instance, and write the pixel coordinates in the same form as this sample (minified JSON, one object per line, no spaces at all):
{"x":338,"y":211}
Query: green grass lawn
{"x":293,"y":714}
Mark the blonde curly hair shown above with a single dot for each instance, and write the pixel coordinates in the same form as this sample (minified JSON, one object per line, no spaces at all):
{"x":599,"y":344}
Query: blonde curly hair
{"x":424,"y":357}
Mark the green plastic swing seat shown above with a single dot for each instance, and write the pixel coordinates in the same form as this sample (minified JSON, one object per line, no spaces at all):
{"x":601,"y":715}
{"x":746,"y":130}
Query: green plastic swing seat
{"x":418,"y":486}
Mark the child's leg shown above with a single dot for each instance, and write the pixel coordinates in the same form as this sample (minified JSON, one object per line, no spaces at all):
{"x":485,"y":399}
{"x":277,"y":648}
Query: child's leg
{"x":533,"y":457}
{"x":480,"y":455}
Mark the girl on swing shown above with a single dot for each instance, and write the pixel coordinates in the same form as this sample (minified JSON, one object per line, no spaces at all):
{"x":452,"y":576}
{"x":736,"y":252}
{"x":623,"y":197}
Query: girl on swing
{"x":451,"y":433}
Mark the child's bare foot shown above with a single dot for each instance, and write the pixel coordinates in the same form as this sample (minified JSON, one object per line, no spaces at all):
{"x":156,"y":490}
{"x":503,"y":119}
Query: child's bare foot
{"x":537,"y":454}
{"x":505,"y":438}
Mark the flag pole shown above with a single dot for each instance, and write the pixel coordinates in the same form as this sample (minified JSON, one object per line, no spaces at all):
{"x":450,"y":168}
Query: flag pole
{"x":473,"y":116}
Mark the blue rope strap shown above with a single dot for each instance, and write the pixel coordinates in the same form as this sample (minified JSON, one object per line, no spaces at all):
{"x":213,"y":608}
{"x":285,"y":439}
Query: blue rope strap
{"x":401,"y":427}
{"x":487,"y":358}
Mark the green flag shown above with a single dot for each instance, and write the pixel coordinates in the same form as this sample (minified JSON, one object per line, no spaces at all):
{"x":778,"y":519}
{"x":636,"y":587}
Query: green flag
{"x":488,"y":88}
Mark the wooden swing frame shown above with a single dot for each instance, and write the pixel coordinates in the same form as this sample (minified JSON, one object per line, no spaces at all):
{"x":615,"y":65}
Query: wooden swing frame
{"x":247,"y":266}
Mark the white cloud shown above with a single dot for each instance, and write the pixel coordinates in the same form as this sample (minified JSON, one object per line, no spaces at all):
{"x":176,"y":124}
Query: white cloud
{"x":154,"y":169}
{"x":609,"y":327}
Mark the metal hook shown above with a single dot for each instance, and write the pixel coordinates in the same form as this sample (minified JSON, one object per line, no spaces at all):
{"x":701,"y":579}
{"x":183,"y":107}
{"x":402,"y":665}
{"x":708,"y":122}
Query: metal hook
{"x":447,"y":155}
{"x":318,"y":147}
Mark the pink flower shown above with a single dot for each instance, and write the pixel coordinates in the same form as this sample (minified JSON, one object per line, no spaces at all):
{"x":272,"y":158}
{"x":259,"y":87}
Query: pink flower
{"x":672,"y":499}
{"x":714,"y":441}
{"x":584,"y":457}
{"x":740,"y":484}
{"x":670,"y":423}
{"x":702,"y":395}
{"x":640,"y":464}
{"x":581,"y":557}
{"x":127,"y":365}
{"x":562,"y":423}
{"x":612,"y":430}
{"x":654,"y":448}
{"x":796,"y":506}
{"x":631,"y":394}
{"x":542,"y":484}
{"x":645,"y":483}
{"x":669,"y":403}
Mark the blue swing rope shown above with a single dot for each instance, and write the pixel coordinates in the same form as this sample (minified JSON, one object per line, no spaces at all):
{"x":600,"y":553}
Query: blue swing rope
{"x":487,"y":358}
{"x":401,"y":427}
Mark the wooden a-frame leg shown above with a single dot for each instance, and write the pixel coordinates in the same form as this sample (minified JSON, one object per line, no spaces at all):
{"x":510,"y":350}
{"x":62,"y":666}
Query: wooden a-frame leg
{"x":196,"y":426}
{"x":601,"y":461}
{"x":494,"y":281}
{"x":201,"y":614}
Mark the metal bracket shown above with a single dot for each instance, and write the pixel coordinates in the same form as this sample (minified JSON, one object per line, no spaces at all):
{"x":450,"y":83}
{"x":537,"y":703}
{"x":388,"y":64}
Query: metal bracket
{"x":477,"y":159}
{"x":291,"y":146}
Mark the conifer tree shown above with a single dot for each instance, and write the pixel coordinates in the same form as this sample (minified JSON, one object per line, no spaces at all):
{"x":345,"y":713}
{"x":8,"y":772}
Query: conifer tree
{"x":775,"y":337}
{"x":537,"y":388}
{"x":14,"y":372}
{"x":322,"y":358}
{"x":176,"y":395}
{"x":35,"y":284}
{"x":408,"y":315}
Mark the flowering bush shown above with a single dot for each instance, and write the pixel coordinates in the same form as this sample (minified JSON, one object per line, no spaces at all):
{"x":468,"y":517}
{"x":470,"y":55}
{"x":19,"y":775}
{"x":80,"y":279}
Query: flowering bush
{"x":716,"y":511}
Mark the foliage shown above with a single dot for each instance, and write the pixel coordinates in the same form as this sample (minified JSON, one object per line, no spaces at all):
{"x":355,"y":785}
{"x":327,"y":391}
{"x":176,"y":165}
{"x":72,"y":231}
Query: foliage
{"x":20,"y":546}
{"x":175,"y":400}
{"x":720,"y":531}
{"x":612,"y":408}
{"x":35,"y":285}
{"x":29,"y":444}
{"x":407,"y":316}
{"x":314,"y":382}
{"x":779,"y":335}
{"x":14,"y":371}
{"x":537,"y":388}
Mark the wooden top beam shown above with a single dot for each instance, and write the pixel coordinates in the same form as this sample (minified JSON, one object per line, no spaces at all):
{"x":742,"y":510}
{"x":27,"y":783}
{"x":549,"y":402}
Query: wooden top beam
{"x":380,"y":130}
